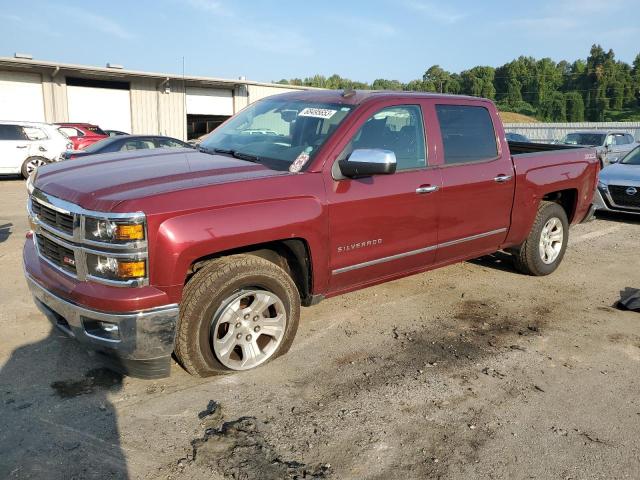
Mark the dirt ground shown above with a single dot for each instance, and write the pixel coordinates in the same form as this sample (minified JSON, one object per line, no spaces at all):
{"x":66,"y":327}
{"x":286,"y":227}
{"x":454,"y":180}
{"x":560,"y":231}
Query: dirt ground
{"x":471,"y":371}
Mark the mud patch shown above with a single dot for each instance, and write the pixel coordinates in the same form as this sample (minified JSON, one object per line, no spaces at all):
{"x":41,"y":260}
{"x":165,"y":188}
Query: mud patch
{"x":237,"y":449}
{"x":95,"y":379}
{"x":625,"y":339}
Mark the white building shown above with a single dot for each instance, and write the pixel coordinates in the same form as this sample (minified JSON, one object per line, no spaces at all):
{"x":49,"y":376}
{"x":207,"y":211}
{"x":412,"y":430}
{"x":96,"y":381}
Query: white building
{"x":118,"y":99}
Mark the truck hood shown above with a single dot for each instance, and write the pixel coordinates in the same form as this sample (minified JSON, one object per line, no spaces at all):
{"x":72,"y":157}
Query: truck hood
{"x":100,"y":182}
{"x":621,"y":174}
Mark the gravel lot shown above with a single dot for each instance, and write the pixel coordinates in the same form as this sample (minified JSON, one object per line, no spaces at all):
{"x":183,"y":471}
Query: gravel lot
{"x":471,"y":371}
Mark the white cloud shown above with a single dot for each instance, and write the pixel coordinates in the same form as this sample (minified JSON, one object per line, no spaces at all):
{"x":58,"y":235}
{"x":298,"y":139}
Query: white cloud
{"x":435,"y":11}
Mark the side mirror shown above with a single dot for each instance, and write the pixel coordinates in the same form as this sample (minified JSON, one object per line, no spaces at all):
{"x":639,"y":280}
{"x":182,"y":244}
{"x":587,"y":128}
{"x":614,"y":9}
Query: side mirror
{"x":365,"y":162}
{"x":613,"y":159}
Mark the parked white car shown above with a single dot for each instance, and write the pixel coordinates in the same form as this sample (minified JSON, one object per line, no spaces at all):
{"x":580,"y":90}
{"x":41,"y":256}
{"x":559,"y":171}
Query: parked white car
{"x":24,"y":146}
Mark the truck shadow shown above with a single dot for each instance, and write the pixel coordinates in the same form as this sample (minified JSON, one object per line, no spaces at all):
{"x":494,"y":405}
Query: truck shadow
{"x":498,"y":261}
{"x":57,"y":420}
{"x":5,"y":231}
{"x":619,"y":217}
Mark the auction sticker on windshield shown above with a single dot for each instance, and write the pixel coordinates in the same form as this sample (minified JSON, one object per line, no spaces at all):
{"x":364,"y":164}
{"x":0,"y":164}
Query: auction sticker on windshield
{"x":317,"y":112}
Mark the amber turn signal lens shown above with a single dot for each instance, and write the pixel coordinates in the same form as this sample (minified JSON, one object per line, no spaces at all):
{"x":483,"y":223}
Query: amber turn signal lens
{"x":131,"y":269}
{"x":130,"y":232}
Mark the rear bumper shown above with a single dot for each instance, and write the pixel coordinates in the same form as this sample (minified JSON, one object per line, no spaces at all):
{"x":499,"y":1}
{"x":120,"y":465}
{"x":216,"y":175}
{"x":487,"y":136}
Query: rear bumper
{"x":139,"y":343}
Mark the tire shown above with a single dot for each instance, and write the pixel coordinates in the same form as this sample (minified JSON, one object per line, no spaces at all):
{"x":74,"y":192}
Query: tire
{"x":31,"y":164}
{"x":211,"y":338}
{"x":539,"y":255}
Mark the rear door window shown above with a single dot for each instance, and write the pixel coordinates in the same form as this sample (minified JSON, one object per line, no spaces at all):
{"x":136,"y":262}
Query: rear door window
{"x":467,"y":134}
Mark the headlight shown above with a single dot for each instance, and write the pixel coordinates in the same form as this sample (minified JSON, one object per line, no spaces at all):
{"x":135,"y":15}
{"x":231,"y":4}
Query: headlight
{"x":602,"y":185}
{"x":118,"y":269}
{"x":30,"y":180}
{"x":113,"y":231}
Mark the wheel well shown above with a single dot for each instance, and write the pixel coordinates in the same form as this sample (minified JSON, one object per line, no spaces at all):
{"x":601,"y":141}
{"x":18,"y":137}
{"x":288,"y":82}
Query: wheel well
{"x":567,"y":199}
{"x":292,"y":255}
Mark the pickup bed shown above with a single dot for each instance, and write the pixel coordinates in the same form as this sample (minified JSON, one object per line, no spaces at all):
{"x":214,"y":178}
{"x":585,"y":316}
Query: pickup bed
{"x":209,"y":254}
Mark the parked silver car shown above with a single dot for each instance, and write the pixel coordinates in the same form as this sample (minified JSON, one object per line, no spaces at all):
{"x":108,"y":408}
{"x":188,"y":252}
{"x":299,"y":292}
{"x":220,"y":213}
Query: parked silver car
{"x":611,"y":145}
{"x":619,"y":185}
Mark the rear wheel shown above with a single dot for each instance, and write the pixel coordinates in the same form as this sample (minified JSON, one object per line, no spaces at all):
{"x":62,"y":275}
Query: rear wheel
{"x":31,"y":164}
{"x":544,"y":248}
{"x":237,"y":313}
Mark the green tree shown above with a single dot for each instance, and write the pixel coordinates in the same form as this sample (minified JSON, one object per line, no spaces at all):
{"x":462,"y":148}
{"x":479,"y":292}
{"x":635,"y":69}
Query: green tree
{"x":574,"y":106}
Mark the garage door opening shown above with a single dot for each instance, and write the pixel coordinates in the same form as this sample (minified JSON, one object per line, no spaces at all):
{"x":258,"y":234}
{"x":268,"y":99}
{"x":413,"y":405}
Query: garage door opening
{"x":198,"y":125}
{"x":104,"y":103}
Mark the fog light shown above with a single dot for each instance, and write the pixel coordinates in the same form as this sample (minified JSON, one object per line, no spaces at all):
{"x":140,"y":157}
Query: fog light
{"x":101,"y":329}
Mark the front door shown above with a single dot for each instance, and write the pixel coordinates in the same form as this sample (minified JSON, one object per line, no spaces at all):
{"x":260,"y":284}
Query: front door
{"x":384,"y":224}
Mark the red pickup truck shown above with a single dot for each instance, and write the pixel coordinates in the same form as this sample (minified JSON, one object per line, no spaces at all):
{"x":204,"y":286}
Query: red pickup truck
{"x":209,"y":254}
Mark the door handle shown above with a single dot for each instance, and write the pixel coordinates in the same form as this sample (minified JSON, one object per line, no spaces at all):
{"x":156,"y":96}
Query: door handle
{"x":21,"y":146}
{"x":502,"y":178}
{"x":427,"y":189}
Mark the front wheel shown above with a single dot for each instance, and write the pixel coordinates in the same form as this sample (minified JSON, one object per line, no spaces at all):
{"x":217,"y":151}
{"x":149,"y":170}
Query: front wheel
{"x":544,"y":248}
{"x":237,"y":313}
{"x":31,"y":164}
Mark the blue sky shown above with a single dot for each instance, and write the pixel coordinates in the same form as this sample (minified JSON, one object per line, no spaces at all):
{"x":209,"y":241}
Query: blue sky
{"x":267,"y":39}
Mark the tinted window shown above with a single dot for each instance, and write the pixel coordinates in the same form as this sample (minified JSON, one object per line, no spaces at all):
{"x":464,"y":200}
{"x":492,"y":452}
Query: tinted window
{"x":138,"y":144}
{"x":106,"y":145}
{"x":467,"y":134}
{"x":592,"y":139}
{"x":12,"y":132}
{"x":632,"y":158}
{"x":169,"y":143}
{"x":398,"y":129}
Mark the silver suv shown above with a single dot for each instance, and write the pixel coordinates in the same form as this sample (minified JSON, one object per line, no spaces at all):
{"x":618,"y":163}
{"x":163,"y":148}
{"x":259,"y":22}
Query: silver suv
{"x":24,"y":146}
{"x":611,"y":145}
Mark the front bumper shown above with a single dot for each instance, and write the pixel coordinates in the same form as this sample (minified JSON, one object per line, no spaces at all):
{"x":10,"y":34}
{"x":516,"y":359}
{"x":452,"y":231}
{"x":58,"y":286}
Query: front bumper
{"x":602,"y":203}
{"x":145,"y":338}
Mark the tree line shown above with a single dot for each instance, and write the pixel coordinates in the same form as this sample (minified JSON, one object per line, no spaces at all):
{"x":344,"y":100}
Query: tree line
{"x":596,"y":89}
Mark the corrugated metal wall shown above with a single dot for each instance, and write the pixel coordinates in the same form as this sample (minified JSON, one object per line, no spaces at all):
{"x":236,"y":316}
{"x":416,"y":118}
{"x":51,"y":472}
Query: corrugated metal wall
{"x":547,"y":132}
{"x":144,"y":106}
{"x":172,"y":117}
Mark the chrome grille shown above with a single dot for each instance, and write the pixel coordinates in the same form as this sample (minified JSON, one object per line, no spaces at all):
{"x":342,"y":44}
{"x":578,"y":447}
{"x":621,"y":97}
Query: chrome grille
{"x":53,"y":218}
{"x":620,"y":196}
{"x":57,"y":254}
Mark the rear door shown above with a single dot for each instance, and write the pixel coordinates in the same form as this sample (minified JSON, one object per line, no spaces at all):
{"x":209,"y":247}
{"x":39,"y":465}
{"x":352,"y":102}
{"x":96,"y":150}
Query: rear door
{"x":383,"y":225}
{"x":14,"y":148}
{"x":477,"y":180}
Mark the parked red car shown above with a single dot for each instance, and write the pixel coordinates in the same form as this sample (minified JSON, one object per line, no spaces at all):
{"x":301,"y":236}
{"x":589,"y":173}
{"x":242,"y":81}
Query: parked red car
{"x":82,"y":134}
{"x":209,"y":254}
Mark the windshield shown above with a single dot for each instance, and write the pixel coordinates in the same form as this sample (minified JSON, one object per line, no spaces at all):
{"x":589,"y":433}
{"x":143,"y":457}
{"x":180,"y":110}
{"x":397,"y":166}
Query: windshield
{"x":277,"y":132}
{"x":99,"y":145}
{"x":593,"y":139}
{"x":632,"y":158}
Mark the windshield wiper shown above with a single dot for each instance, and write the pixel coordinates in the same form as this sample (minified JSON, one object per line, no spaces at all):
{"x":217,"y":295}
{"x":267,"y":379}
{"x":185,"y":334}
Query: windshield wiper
{"x":239,"y":155}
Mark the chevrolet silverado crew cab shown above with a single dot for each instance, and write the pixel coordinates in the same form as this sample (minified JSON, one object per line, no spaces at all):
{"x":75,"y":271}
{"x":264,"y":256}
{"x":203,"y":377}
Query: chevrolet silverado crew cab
{"x":210,"y":254}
